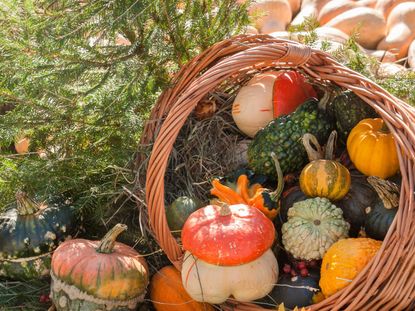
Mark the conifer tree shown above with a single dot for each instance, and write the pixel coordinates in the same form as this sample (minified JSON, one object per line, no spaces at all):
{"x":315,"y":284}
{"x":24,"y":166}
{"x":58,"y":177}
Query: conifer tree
{"x":78,"y":78}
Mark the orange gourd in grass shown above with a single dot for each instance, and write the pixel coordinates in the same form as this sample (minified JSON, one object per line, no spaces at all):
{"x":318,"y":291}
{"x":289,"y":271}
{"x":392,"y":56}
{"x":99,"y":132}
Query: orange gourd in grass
{"x":343,"y":261}
{"x":168,"y":294}
{"x":372,"y":149}
{"x":98,"y":275}
{"x":22,"y":145}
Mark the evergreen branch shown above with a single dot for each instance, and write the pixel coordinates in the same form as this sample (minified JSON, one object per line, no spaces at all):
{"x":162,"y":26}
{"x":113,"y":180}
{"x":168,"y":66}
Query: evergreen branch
{"x":100,"y":83}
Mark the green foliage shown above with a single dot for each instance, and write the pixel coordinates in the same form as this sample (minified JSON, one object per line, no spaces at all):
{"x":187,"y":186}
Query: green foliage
{"x":401,"y":85}
{"x":17,"y":295}
{"x":80,"y":78}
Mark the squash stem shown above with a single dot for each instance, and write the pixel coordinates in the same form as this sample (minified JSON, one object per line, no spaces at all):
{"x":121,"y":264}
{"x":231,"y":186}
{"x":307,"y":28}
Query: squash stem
{"x":314,"y":153}
{"x":224,"y":209}
{"x":331,"y":145}
{"x":387,"y":191}
{"x":323,"y":102}
{"x":26,"y":205}
{"x":107,"y":243}
{"x":275,"y":195}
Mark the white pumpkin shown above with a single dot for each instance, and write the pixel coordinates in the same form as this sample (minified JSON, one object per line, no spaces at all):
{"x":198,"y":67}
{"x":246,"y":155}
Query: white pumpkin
{"x":215,"y":284}
{"x":252,"y":108}
{"x":270,"y":15}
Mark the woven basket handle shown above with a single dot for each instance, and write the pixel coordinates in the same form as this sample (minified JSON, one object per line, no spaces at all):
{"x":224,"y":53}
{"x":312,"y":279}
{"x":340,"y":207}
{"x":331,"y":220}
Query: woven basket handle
{"x":260,"y":55}
{"x":286,"y":53}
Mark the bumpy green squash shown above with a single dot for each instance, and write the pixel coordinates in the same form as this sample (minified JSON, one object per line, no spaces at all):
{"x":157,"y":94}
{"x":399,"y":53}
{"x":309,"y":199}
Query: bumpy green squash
{"x":29,"y":232}
{"x":349,"y":109}
{"x":283,"y":136}
{"x":313,"y":226}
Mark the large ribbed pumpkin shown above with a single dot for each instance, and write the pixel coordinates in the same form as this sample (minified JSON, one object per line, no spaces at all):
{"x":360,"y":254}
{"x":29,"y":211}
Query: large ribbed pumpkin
{"x":324,"y":177}
{"x":168,"y":294}
{"x":98,"y":275}
{"x":343,"y":261}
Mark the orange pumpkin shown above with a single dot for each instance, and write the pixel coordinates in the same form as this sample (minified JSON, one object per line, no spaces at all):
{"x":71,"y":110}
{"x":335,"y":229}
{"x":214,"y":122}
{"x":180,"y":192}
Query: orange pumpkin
{"x":372,"y":149}
{"x":98,"y":275}
{"x":343,"y":261}
{"x":168,"y":294}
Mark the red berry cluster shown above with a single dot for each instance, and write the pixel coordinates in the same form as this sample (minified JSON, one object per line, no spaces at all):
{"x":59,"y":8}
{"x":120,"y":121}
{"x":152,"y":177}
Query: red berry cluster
{"x":44,"y":298}
{"x":301,"y":267}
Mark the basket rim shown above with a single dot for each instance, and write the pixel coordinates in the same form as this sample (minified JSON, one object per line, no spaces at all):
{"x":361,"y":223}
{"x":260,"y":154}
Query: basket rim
{"x":229,"y":56}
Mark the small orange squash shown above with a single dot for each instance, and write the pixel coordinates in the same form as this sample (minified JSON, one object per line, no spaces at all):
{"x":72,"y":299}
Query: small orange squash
{"x":324,"y":177}
{"x":372,"y":149}
{"x":22,"y":145}
{"x":168,"y":294}
{"x":343,"y":261}
{"x":255,"y":195}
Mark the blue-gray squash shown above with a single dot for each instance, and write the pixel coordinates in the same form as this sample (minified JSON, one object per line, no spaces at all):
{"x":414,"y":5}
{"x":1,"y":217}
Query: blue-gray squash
{"x":29,"y":232}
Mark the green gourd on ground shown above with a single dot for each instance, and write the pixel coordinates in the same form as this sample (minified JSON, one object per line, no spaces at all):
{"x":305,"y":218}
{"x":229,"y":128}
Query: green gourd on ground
{"x":29,"y":232}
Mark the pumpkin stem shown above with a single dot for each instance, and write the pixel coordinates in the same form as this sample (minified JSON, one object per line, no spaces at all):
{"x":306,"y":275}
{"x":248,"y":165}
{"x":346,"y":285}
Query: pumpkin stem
{"x":331,"y":145}
{"x":314,"y":153}
{"x":26,"y":205}
{"x":224,"y":209}
{"x":384,"y":128}
{"x":387,"y":191}
{"x":275,"y":195}
{"x":107,"y":243}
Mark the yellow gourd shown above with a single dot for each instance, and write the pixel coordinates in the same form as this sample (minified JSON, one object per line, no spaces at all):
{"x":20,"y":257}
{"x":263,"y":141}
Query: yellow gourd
{"x":343,"y":261}
{"x":323,"y":176}
{"x":372,"y":149}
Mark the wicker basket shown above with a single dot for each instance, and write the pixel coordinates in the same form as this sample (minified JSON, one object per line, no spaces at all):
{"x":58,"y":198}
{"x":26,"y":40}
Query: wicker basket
{"x":388,"y":281}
